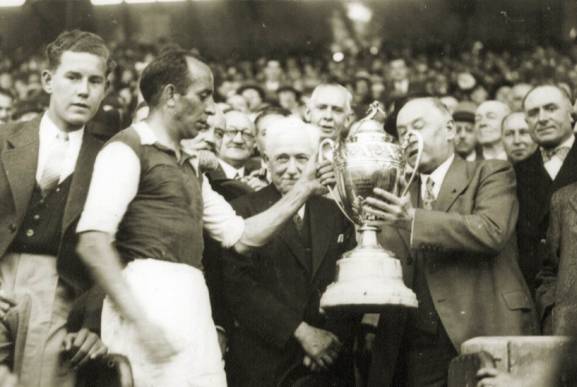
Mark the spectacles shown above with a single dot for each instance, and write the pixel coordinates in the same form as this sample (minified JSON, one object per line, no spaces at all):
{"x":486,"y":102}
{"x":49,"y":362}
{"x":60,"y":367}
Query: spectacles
{"x":232,"y":133}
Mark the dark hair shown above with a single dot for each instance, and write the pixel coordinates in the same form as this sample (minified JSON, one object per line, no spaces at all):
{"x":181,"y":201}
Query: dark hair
{"x":7,"y":93}
{"x":171,"y":68}
{"x":77,"y":41}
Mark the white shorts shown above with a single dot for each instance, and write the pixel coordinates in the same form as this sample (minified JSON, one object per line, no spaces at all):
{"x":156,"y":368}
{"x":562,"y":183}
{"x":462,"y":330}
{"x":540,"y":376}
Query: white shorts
{"x":175,"y":297}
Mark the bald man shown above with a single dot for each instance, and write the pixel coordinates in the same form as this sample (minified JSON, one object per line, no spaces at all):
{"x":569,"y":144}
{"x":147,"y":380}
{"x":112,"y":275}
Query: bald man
{"x":329,"y":108}
{"x":548,"y":111}
{"x":488,"y":118}
{"x":454,"y":236}
{"x":274,"y":296}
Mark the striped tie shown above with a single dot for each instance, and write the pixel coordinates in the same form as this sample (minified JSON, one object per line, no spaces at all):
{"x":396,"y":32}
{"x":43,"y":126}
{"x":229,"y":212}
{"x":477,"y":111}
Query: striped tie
{"x":429,"y":195}
{"x":54,"y":164}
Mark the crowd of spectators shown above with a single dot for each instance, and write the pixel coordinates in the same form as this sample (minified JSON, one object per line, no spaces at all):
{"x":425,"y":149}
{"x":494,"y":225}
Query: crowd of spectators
{"x":474,"y":74}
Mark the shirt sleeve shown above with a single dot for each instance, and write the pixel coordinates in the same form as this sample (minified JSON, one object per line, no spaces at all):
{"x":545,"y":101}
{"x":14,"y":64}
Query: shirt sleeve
{"x":219,"y":218}
{"x":113,"y":186}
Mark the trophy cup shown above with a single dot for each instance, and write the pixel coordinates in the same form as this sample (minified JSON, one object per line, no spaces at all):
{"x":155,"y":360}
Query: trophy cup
{"x":368,"y":277}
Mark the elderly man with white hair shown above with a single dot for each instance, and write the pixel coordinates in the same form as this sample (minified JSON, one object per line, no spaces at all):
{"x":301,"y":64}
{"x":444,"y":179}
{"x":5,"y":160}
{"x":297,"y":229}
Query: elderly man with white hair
{"x":280,"y":337}
{"x":329,"y":108}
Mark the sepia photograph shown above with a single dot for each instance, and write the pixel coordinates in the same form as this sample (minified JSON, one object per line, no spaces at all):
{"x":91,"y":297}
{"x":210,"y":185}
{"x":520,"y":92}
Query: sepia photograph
{"x":288,"y":193}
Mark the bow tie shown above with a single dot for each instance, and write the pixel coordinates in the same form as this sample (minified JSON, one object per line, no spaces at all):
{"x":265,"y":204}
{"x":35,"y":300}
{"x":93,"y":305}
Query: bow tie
{"x":561,"y":153}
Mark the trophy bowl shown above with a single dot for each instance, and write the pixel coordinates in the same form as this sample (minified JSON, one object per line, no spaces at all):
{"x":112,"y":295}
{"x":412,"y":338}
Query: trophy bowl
{"x":369,"y":278}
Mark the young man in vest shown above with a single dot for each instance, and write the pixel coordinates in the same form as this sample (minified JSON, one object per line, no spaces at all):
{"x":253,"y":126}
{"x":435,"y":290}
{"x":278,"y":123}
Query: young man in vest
{"x":147,"y":197}
{"x":45,"y":168}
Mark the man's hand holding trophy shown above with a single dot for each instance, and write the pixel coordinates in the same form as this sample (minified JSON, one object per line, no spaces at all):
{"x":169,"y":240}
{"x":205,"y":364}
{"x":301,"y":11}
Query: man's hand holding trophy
{"x":370,"y":173}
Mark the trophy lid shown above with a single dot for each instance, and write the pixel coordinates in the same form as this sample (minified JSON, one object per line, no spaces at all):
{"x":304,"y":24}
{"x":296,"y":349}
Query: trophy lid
{"x":371,"y":126}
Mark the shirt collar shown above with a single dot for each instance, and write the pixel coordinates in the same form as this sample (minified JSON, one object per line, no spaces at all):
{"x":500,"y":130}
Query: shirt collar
{"x":471,"y":156}
{"x":231,"y":171}
{"x":49,"y":130}
{"x":567,"y":143}
{"x":147,"y":137}
{"x":438,"y":175}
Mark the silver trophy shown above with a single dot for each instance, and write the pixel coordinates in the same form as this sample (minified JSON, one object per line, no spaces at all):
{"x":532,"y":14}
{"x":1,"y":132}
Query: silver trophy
{"x":368,"y":277}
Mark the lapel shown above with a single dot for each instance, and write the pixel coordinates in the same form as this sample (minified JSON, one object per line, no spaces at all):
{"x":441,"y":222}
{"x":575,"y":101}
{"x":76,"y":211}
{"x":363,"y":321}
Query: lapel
{"x":20,"y":161}
{"x":216,"y":174}
{"x":537,"y":181}
{"x":568,"y":172}
{"x":568,"y":265}
{"x":288,"y":234}
{"x":405,"y":236}
{"x":322,"y":224}
{"x":456,"y":180}
{"x":81,"y":178}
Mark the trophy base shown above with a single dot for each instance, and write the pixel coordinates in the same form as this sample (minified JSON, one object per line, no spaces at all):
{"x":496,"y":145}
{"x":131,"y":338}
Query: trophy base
{"x":369,"y":280}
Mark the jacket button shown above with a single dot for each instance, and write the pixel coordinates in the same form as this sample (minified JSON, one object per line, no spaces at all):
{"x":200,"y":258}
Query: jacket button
{"x":12,"y":227}
{"x":543,"y":241}
{"x":30,"y":233}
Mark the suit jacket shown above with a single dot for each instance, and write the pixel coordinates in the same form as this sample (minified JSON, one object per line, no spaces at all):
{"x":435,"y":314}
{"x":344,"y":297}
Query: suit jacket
{"x":274,"y":290}
{"x":557,"y":293}
{"x":467,"y":243}
{"x":212,"y":255}
{"x":19,"y":144}
{"x":534,"y":190}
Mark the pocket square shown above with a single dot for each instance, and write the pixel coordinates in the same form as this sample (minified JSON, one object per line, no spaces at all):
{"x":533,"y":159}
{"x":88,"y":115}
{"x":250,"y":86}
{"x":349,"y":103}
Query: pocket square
{"x":341,"y":238}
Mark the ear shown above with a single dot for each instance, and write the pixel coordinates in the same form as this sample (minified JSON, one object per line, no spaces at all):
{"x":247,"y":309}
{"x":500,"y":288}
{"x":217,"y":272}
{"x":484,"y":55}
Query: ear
{"x":308,"y":114}
{"x":46,"y":79}
{"x":451,"y":130}
{"x":169,"y":95}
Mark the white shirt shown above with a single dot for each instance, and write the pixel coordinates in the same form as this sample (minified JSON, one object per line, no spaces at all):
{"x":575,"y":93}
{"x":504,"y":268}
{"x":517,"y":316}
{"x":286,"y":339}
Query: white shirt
{"x":554,"y":165}
{"x":48,"y":133}
{"x":114,"y":185}
{"x":502,"y":155}
{"x":438,"y":175}
{"x":230,"y":171}
{"x":471,"y":156}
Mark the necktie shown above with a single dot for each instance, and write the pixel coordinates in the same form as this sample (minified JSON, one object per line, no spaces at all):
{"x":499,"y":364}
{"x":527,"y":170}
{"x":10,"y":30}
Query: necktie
{"x":299,"y":223}
{"x":54,"y":163}
{"x":560,"y":152}
{"x":428,"y":195}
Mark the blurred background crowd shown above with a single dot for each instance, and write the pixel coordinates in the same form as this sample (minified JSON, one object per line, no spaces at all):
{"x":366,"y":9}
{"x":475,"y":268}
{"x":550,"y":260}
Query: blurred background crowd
{"x":353,"y":50}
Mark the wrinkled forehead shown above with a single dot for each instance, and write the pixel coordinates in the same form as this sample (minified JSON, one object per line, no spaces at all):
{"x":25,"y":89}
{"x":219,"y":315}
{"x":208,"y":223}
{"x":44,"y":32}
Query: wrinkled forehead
{"x":238,"y":120}
{"x":543,"y":96}
{"x":494,"y":107}
{"x":417,"y":110}
{"x":329,"y":95}
{"x":289,"y":142}
{"x":515,"y":121}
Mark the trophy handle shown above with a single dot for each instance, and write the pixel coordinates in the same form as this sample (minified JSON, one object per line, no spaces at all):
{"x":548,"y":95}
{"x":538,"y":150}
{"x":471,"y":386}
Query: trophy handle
{"x":420,"y":145}
{"x":323,"y":156}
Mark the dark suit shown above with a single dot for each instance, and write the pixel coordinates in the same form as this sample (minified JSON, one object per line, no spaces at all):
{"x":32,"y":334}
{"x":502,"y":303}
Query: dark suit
{"x":534,"y":190}
{"x":557,"y":293}
{"x":467,"y":248}
{"x":230,"y":189}
{"x":19,"y":144}
{"x":278,"y":287}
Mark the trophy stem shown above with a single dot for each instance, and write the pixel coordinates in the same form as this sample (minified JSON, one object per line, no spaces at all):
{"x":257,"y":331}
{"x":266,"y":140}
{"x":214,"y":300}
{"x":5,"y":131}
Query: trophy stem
{"x":368,"y":237}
